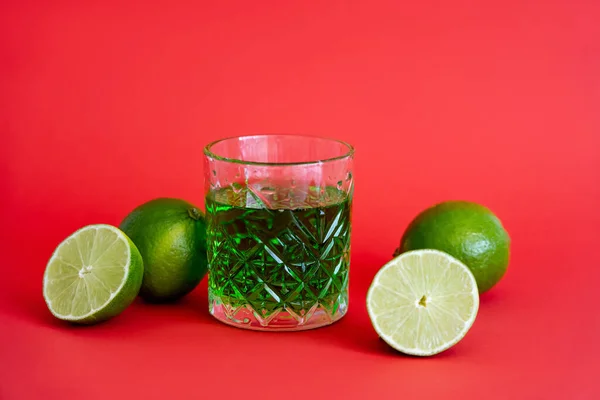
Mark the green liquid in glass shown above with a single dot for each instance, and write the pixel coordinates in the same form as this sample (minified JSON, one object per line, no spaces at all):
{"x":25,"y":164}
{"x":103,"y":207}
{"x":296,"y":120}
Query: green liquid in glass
{"x":279,"y":250}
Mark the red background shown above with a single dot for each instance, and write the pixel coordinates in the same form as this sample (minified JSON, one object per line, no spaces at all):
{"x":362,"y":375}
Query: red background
{"x":104,"y":106}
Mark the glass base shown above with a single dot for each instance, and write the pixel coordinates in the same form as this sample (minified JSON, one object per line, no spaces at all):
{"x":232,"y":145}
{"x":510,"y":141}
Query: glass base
{"x":282,"y":320}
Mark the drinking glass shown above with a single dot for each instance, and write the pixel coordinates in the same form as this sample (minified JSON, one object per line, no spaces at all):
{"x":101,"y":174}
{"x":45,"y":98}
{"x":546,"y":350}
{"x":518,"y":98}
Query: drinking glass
{"x":278,"y":230}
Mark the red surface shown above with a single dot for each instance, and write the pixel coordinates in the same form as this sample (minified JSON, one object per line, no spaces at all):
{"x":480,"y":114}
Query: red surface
{"x":103,"y":107}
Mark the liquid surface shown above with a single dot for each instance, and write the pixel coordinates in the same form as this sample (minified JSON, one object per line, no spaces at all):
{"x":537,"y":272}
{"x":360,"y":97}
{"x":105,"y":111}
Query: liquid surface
{"x":279,"y":250}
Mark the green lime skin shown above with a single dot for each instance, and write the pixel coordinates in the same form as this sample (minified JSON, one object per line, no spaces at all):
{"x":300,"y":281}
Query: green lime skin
{"x":171,"y":237}
{"x":468,"y":231}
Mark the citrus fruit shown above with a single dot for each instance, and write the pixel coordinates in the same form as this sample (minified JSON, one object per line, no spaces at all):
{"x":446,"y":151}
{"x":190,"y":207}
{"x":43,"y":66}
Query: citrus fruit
{"x":93,"y":275}
{"x":423,"y":302}
{"x":171,"y":236}
{"x":467,"y":231}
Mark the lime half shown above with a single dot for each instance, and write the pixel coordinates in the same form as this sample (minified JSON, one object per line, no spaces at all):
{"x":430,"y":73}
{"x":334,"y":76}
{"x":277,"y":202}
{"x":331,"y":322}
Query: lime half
{"x":423,"y":302}
{"x":93,"y":275}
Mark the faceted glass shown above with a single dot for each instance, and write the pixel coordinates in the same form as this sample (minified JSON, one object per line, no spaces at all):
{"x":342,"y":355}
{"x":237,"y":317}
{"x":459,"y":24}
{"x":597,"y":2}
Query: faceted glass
{"x":278,"y":213}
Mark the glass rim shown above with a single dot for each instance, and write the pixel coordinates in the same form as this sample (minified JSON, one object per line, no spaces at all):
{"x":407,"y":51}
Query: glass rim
{"x":348,"y":154}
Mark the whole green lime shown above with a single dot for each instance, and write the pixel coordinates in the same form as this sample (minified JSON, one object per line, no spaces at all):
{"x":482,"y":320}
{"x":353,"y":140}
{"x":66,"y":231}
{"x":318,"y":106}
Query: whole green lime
{"x":171,"y":237}
{"x":468,"y":231}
